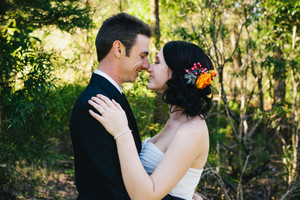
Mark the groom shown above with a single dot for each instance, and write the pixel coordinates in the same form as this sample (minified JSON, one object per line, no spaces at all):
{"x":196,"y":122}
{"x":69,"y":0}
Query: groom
{"x":122,"y":48}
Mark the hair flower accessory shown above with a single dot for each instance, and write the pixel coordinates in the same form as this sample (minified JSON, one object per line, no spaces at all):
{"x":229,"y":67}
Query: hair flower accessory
{"x":199,"y":76}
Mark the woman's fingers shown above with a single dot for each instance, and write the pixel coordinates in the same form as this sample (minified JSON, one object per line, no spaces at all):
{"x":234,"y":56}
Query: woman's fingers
{"x":106,"y":100}
{"x":100,"y":102}
{"x":98,"y":107}
{"x":117,"y":105}
{"x":96,"y":116}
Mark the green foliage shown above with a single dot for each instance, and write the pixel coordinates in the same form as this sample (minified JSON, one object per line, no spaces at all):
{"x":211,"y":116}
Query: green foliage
{"x":38,"y":132}
{"x":29,"y":15}
{"x":29,"y":97}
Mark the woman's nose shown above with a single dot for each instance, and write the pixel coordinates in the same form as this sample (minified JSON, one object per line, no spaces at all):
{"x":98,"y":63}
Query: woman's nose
{"x":150,"y":68}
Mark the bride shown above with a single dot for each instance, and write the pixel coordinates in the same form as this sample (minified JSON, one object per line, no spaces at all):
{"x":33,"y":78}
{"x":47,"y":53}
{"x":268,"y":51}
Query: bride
{"x":172,"y":161}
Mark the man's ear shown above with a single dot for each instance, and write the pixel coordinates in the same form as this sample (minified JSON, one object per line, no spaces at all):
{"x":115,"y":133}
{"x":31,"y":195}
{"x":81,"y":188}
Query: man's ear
{"x":118,"y":48}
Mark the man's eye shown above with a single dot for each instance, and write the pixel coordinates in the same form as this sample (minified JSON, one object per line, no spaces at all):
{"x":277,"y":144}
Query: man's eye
{"x":156,"y":62}
{"x":142,"y":57}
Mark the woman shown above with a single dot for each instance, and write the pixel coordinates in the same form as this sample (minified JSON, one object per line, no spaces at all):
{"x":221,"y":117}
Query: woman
{"x":175,"y":157}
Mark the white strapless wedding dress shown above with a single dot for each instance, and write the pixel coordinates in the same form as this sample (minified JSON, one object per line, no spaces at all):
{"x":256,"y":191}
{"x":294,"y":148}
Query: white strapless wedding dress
{"x":151,"y":156}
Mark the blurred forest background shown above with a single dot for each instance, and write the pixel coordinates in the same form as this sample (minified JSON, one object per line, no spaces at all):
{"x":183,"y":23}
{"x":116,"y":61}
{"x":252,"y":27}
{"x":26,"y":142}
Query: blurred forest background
{"x":48,"y":55}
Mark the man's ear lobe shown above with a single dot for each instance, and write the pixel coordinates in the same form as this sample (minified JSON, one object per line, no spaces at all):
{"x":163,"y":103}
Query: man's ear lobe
{"x":117,"y":48}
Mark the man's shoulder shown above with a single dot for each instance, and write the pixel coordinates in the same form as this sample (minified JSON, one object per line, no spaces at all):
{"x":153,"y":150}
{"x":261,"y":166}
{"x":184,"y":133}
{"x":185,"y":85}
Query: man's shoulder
{"x":90,"y":91}
{"x":96,"y":86}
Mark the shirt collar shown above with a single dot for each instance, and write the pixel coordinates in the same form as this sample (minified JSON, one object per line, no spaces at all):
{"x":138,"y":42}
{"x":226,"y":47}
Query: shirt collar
{"x":109,"y":79}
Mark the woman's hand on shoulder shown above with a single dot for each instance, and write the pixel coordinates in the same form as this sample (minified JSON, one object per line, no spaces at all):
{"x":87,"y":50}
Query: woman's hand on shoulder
{"x":111,"y":115}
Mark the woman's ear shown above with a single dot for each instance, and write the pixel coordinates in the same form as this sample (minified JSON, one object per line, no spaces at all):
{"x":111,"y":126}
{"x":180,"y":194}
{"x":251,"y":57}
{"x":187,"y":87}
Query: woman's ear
{"x":118,"y":48}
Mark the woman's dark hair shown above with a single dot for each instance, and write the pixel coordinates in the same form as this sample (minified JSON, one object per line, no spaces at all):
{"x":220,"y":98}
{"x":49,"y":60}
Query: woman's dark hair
{"x":179,"y":56}
{"x":122,"y":27}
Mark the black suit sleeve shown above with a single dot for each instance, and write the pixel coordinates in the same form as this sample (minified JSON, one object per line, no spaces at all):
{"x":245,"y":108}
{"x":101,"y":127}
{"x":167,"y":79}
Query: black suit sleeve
{"x":96,"y":157}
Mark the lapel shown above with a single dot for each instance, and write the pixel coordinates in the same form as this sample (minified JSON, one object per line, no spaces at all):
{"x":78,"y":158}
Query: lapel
{"x":113,"y":93}
{"x":131,"y":118}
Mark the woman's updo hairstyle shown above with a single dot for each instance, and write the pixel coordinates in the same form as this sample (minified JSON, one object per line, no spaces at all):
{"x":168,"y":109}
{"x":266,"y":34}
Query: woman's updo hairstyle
{"x":179,"y":56}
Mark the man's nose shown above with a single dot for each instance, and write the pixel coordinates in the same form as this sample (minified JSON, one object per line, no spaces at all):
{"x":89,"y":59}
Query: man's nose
{"x":146,"y":64}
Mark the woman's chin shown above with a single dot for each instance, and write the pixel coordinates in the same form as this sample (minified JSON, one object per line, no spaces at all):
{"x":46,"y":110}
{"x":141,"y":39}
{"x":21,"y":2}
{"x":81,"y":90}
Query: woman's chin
{"x":150,"y":88}
{"x":156,"y":89}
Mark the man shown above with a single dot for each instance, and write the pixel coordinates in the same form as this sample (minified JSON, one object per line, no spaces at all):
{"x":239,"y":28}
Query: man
{"x":122,"y":47}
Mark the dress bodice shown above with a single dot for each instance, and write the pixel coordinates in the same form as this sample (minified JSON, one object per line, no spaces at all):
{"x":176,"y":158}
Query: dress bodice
{"x":151,"y":156}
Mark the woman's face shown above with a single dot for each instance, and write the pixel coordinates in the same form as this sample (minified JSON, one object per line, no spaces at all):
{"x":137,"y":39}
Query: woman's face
{"x":159,"y":74}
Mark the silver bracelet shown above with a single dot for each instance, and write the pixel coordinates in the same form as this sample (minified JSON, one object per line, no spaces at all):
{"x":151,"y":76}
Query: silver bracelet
{"x":122,"y":133}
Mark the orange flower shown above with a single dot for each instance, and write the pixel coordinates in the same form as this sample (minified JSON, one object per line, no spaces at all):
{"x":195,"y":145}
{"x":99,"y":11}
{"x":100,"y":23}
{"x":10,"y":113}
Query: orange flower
{"x":212,"y":72}
{"x":203,"y":80}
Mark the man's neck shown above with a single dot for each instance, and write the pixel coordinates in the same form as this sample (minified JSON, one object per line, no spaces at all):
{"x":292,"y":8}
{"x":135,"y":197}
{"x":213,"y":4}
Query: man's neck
{"x":111,"y":70}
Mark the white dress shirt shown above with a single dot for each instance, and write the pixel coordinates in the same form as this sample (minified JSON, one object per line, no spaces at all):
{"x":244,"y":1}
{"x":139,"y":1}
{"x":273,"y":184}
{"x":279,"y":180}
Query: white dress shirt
{"x":97,"y":71}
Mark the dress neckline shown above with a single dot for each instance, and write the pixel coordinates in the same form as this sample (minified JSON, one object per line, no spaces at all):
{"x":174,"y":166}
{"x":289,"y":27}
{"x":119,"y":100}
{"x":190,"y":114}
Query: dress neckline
{"x":147,"y":141}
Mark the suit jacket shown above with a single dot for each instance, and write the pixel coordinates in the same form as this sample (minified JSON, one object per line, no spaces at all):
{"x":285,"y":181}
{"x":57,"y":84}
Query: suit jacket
{"x":97,"y":167}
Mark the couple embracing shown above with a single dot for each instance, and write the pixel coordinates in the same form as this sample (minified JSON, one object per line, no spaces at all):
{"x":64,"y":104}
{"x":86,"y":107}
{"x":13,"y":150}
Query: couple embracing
{"x":111,"y":162}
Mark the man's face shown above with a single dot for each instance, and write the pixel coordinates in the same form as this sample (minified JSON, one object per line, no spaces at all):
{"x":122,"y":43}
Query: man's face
{"x":137,"y":60}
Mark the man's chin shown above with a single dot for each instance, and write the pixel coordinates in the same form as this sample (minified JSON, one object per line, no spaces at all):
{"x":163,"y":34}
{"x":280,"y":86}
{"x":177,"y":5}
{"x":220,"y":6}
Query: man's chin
{"x":132,"y":80}
{"x":135,"y":78}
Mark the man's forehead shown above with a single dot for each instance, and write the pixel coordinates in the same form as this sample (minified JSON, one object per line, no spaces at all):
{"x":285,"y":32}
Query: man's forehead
{"x":142,"y":42}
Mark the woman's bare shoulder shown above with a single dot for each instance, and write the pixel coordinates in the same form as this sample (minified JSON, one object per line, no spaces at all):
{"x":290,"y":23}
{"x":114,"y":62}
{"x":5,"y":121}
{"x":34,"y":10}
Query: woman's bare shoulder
{"x":195,"y":134}
{"x":196,"y":127}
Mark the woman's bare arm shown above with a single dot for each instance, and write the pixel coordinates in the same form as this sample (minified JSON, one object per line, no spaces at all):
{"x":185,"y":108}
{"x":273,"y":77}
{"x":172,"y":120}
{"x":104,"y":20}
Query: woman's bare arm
{"x":182,"y":151}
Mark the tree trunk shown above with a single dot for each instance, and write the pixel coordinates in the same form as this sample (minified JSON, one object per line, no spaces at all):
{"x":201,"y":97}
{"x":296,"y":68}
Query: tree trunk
{"x":295,"y":122}
{"x":261,"y":93}
{"x":295,"y":130}
{"x":237,"y":60}
{"x":119,"y":4}
{"x":159,"y":116}
{"x":239,"y":76}
{"x":88,"y":47}
{"x":155,"y":26}
{"x":279,"y":77}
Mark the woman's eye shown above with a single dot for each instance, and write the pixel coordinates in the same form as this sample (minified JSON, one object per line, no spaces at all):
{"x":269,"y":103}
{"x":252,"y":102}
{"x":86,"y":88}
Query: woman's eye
{"x":156,"y":62}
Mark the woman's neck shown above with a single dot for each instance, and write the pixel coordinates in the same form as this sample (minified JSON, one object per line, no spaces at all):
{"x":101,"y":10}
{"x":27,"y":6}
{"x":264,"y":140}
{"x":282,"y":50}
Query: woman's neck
{"x":176,"y":115}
